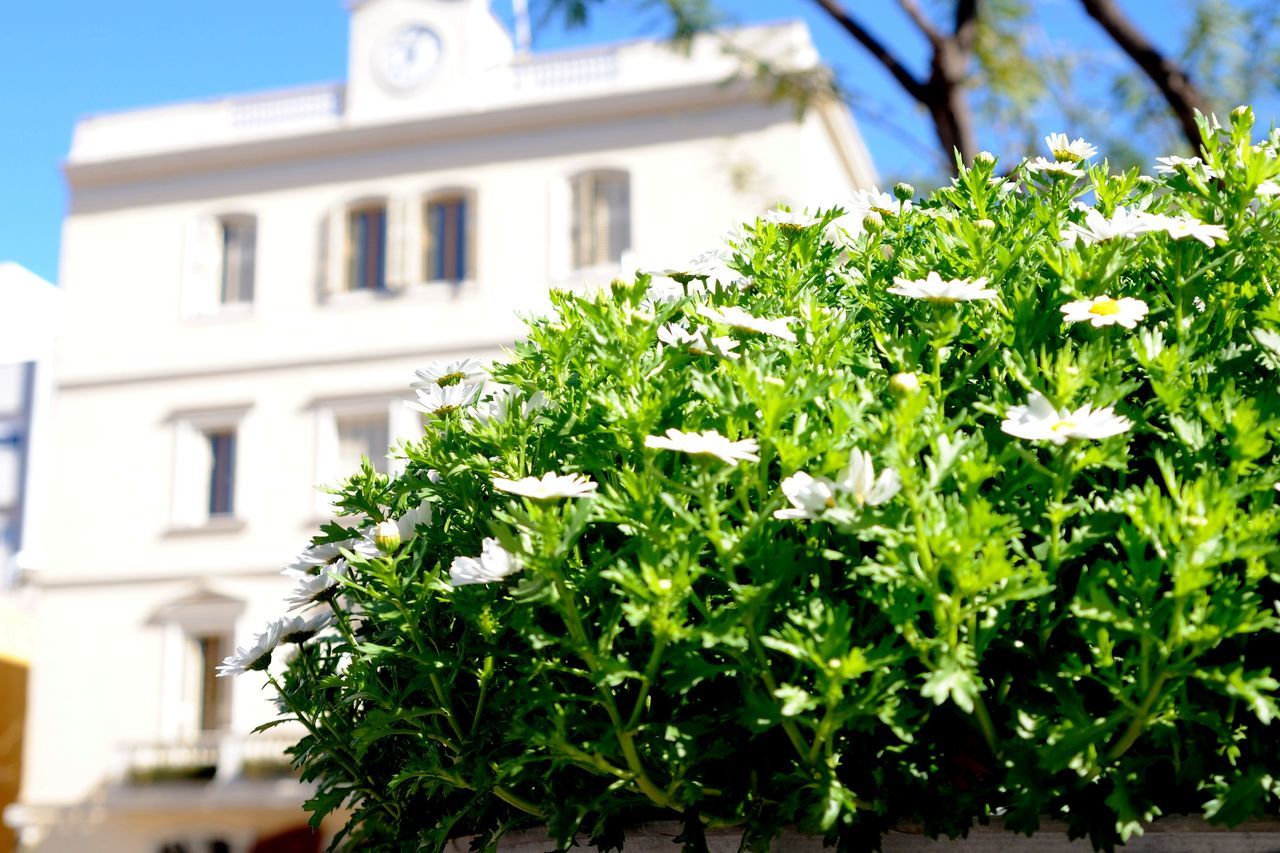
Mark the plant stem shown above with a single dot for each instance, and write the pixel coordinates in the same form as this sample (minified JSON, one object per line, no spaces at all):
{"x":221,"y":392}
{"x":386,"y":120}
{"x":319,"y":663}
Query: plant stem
{"x":1139,"y":723}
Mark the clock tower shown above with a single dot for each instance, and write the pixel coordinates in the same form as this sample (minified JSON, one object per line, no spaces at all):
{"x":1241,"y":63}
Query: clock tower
{"x":408,"y":57}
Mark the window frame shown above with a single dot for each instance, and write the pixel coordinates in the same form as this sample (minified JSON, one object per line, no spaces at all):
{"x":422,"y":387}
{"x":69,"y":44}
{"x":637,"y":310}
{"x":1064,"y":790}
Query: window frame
{"x":239,"y":223}
{"x":466,"y":241}
{"x":189,"y":663}
{"x":585,"y":203}
{"x":401,"y":425}
{"x":191,"y":504}
{"x":354,"y":261}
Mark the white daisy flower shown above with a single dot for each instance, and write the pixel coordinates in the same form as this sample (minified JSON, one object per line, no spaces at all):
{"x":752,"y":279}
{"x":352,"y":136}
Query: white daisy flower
{"x":255,"y":657}
{"x":296,"y":629}
{"x":859,"y":480}
{"x":493,"y":564}
{"x":1173,"y":164}
{"x":933,"y":288}
{"x":707,"y":443}
{"x":1181,"y":227}
{"x":1268,"y":188}
{"x":711,"y":270}
{"x":445,"y":373}
{"x":550,"y":486}
{"x":503,"y":401}
{"x":1097,"y":228}
{"x":316,"y":557}
{"x":732,"y":315}
{"x":1105,"y":311}
{"x":788,"y":220}
{"x":1043,"y":165}
{"x":436,"y":401}
{"x":810,"y":496}
{"x":873,"y":200}
{"x":407,"y":525}
{"x":1068,"y":151}
{"x":862,"y":204}
{"x":698,"y":342}
{"x":321,"y":588}
{"x":662,"y":291}
{"x":1040,"y":421}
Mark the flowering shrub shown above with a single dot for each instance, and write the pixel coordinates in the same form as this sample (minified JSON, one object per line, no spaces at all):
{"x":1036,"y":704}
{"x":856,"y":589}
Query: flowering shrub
{"x":916,"y":512}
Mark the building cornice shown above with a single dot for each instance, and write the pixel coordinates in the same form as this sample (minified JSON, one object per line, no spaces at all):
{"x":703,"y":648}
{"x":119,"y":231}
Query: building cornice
{"x":312,"y":143}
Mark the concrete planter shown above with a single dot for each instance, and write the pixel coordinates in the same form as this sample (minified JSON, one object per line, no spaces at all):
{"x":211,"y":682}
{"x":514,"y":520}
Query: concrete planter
{"x":1170,"y":835}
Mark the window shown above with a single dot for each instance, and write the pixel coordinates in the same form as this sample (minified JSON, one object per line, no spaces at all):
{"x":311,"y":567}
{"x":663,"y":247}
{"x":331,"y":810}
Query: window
{"x":214,"y":701}
{"x":346,"y":430}
{"x":222,"y":465}
{"x":206,"y":484}
{"x":367,"y":247}
{"x":239,"y":247}
{"x":601,"y":218}
{"x":448,"y":238}
{"x":360,"y":435}
{"x":198,"y":630}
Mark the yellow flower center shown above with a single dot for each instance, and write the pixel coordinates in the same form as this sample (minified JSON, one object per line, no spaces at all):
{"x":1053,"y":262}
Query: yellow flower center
{"x":884,"y":211}
{"x":1066,"y":155}
{"x":1062,"y":425}
{"x":1104,"y":307}
{"x":450,"y":379}
{"x":831,"y":502}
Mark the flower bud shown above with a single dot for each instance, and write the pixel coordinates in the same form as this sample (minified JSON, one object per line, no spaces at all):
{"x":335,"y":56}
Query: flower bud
{"x":984,"y":158}
{"x":903,"y":191}
{"x":873,"y":221}
{"x":387,"y":536}
{"x":1242,"y":117}
{"x":985,"y":225}
{"x":904,"y":384}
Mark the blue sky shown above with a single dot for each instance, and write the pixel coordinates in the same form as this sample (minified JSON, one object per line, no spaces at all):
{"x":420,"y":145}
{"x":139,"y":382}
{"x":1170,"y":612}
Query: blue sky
{"x":65,"y":59}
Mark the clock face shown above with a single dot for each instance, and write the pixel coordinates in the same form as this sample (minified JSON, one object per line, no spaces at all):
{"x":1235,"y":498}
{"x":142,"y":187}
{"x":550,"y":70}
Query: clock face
{"x":407,"y":57}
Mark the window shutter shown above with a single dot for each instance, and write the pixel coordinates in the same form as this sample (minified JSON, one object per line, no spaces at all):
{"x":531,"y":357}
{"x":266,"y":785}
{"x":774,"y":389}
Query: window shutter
{"x":397,"y":242}
{"x":333,"y":252}
{"x":202,"y":265}
{"x":326,"y":472}
{"x":191,"y":465}
{"x":618,"y":198}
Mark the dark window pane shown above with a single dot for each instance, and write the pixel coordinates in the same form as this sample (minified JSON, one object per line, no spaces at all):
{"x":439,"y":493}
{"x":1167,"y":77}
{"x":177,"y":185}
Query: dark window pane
{"x":213,"y":697}
{"x":368,"y":236}
{"x":447,"y":239}
{"x":222,"y":460}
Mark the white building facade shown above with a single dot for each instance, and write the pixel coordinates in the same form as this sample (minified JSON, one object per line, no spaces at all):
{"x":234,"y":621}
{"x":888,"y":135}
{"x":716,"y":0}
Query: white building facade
{"x":250,"y":284}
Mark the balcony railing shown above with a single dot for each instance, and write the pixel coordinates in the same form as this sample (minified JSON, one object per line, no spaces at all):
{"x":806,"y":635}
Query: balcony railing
{"x":577,"y":70}
{"x":212,"y":757}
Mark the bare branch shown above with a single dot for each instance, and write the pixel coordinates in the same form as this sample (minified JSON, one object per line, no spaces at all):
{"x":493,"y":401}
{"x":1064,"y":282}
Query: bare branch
{"x":873,"y":45}
{"x":966,"y":31}
{"x":918,"y":17}
{"x":1178,"y":90}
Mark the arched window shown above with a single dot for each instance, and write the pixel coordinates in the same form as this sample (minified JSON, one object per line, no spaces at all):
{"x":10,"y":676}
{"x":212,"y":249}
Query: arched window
{"x":366,"y":259}
{"x":449,"y":236}
{"x":239,"y":248}
{"x":601,"y":217}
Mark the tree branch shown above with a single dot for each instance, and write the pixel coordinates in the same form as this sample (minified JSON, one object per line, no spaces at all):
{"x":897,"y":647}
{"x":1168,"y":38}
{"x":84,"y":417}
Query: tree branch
{"x":1174,"y":84}
{"x":891,"y":63}
{"x":966,"y":31}
{"x":926,"y":26}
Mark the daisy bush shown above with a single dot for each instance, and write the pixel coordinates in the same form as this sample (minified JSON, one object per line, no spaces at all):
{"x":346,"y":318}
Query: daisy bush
{"x":904,"y":512}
